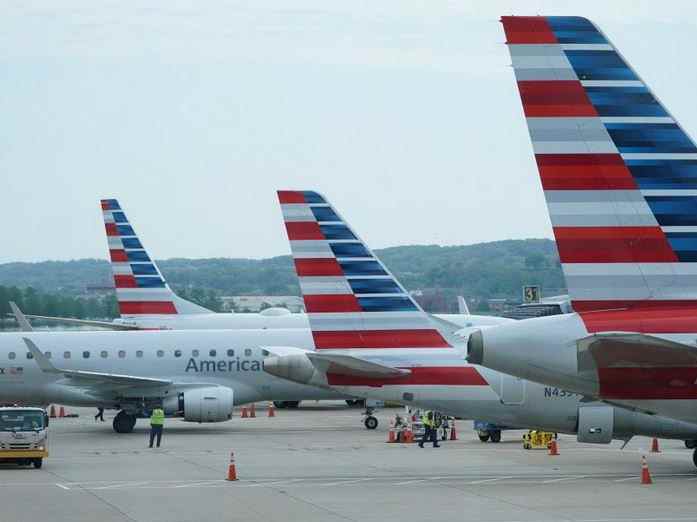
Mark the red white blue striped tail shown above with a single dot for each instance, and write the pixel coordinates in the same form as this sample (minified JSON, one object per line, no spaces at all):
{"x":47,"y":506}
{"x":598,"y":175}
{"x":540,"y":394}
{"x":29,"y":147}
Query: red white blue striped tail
{"x":140,"y":288}
{"x":352,"y":300}
{"x":618,"y":171}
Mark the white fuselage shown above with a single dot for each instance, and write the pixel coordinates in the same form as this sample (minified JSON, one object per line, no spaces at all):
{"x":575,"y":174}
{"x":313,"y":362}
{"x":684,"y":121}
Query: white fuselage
{"x":262,"y":321}
{"x":180,"y":356}
{"x":544,"y":350}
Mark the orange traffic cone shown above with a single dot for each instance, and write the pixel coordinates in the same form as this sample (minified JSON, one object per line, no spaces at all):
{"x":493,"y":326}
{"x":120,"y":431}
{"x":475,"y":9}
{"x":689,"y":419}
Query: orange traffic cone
{"x":654,"y":446}
{"x":453,"y":432}
{"x":408,"y":436}
{"x":231,"y":470}
{"x":253,"y":411}
{"x":272,"y":410}
{"x":61,"y":412}
{"x":53,"y":412}
{"x":553,"y":448}
{"x":391,"y":435}
{"x":244,"y":412}
{"x":645,"y":474}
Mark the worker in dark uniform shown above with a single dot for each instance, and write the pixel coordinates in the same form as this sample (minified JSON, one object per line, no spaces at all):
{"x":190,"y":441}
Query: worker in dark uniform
{"x":157,"y":424}
{"x":100,"y":414}
{"x":430,"y":431}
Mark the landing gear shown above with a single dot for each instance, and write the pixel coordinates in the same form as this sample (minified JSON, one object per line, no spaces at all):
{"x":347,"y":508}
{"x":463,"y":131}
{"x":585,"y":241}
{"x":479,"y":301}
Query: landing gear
{"x":694,"y":457}
{"x":495,"y":436}
{"x":483,"y":436}
{"x":123,"y":422}
{"x":370,"y":422}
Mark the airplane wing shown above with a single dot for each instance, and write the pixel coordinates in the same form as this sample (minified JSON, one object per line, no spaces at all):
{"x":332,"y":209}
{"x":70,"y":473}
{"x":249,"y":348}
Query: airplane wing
{"x":634,"y":350}
{"x":88,"y":377}
{"x":24,"y":324}
{"x":83,"y":322}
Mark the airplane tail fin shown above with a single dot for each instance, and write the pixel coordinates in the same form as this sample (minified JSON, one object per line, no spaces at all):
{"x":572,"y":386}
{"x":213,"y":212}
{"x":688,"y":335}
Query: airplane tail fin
{"x":141,"y":290}
{"x":352,"y":300}
{"x":618,"y":171}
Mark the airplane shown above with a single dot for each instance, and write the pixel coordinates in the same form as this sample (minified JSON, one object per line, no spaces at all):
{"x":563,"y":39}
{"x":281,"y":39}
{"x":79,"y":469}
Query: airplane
{"x":371,"y":339}
{"x":147,"y":302}
{"x":619,"y":176}
{"x":198,"y":375}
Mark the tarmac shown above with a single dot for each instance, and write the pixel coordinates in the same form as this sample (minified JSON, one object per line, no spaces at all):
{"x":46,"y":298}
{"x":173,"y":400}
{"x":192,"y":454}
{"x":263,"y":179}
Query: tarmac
{"x":319,"y":463}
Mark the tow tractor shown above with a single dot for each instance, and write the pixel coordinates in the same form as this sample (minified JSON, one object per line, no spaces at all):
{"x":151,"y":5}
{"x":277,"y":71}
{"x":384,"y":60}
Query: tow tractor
{"x":23,"y":435}
{"x":535,"y":439}
{"x":487,"y":431}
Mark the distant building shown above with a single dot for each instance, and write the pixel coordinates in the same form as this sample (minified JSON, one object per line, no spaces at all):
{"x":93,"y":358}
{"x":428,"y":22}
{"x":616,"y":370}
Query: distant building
{"x":256,"y":303}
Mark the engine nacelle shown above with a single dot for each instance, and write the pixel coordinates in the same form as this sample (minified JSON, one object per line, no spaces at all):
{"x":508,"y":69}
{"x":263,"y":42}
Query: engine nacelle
{"x":212,"y":404}
{"x":596,"y":424}
{"x":601,"y":423}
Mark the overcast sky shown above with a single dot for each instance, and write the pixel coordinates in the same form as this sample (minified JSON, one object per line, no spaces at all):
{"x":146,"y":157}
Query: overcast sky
{"x":405,"y":114}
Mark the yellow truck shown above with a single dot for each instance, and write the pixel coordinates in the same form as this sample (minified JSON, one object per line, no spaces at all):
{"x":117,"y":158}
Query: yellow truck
{"x":23,"y":435}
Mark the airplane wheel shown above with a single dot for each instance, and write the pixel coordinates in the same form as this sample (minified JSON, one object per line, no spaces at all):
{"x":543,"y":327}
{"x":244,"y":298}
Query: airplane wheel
{"x":694,"y":457}
{"x":691,"y":444}
{"x":371,"y":423}
{"x":484,"y":437}
{"x":496,"y":436}
{"x":123,"y":422}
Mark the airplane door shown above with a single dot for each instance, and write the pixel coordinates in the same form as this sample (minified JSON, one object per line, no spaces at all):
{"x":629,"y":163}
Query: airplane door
{"x":512,"y":390}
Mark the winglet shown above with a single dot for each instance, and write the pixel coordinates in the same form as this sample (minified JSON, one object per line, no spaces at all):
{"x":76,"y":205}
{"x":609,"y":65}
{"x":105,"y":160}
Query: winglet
{"x":22,"y":320}
{"x":462,"y":307}
{"x":40,"y":358}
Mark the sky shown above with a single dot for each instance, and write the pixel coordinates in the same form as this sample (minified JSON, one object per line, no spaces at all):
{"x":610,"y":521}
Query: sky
{"x":404,"y":114}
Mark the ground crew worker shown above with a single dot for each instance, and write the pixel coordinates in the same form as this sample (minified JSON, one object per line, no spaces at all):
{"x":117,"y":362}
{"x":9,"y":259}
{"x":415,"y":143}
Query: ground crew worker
{"x":429,"y":430}
{"x":100,"y":414}
{"x":157,"y":424}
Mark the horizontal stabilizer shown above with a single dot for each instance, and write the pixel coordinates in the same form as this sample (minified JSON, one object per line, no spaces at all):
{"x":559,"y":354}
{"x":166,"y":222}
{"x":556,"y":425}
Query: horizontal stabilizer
{"x":340,"y":364}
{"x":632,"y":350}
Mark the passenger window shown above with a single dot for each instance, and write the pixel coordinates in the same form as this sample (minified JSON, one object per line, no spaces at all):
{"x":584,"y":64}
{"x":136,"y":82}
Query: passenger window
{"x":212,"y":353}
{"x":86,"y":354}
{"x":194,"y":353}
{"x":139,"y":353}
{"x":11,"y":355}
{"x":231,"y":353}
{"x":66,"y":355}
{"x":248,"y":351}
{"x":47,"y":355}
{"x":122,"y":354}
{"x":104,"y":354}
{"x":29,"y":355}
{"x":177,"y":353}
{"x":160,"y":353}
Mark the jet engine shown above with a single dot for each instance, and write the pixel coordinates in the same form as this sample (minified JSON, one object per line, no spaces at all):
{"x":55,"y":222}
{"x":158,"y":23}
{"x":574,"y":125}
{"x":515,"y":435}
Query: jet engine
{"x":601,"y":423}
{"x":212,"y":404}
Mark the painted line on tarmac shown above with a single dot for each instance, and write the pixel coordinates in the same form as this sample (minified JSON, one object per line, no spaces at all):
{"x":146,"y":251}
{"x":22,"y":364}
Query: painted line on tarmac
{"x":563,"y":479}
{"x":487,"y":481}
{"x":344,"y":482}
{"x":63,"y":486}
{"x":409,"y":482}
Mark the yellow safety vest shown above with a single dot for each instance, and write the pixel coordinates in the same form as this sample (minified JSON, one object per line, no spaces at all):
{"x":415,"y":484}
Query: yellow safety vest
{"x":158,"y":417}
{"x":425,"y":420}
